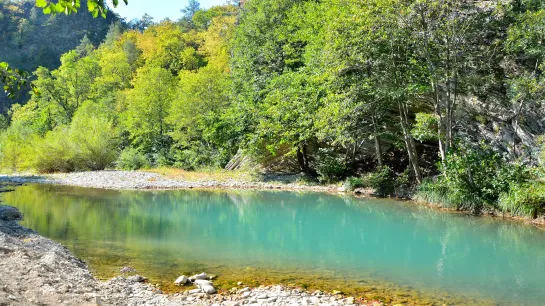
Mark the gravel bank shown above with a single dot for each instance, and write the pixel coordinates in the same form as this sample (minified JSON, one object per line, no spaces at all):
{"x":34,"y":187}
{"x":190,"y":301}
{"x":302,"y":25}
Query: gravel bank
{"x":146,"y":180}
{"x":37,"y":271}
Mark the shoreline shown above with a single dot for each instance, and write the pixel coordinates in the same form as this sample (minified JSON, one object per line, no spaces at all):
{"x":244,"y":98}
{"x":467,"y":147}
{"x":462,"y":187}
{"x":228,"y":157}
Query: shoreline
{"x":146,"y":180}
{"x":138,"y":289}
{"x":143,"y":180}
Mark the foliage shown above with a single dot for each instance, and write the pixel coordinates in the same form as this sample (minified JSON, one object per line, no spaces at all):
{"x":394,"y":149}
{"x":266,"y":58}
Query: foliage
{"x":330,"y":168}
{"x":147,"y":106}
{"x":382,"y":181}
{"x":67,"y":7}
{"x":526,"y":200}
{"x":15,"y":148}
{"x":54,"y":152}
{"x":88,"y":143}
{"x":425,"y":127}
{"x":131,"y":159}
{"x":94,"y":138}
{"x":329,"y":88}
{"x":29,"y":39}
{"x":473,"y":178}
{"x":352,"y":183}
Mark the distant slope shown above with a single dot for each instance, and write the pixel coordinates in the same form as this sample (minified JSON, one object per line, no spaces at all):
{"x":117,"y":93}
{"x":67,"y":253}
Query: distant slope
{"x":29,"y":39}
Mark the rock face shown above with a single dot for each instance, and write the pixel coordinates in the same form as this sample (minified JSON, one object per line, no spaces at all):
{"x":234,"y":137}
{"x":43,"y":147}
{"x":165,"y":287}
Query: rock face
{"x":496,"y":123}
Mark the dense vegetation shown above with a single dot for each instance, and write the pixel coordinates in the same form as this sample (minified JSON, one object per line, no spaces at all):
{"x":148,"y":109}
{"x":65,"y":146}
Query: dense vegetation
{"x":445,"y":96}
{"x":29,"y":38}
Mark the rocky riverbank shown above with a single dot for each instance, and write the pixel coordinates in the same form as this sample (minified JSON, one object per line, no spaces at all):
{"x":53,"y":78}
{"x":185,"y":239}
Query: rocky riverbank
{"x":37,"y":271}
{"x":116,"y":179}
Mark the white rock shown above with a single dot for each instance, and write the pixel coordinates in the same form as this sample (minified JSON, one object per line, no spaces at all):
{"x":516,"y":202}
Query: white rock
{"x":202,"y":282}
{"x":199,"y":276}
{"x":208,"y":289}
{"x":239,"y":284}
{"x":246,"y":295}
{"x":182,"y":280}
{"x":246,"y":289}
{"x":195,"y":291}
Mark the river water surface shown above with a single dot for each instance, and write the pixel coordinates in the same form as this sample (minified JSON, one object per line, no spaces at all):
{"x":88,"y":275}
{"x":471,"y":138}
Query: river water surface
{"x":375,"y":247}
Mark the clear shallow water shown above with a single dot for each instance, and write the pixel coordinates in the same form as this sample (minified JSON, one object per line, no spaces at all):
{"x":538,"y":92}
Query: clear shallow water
{"x":291,"y":235}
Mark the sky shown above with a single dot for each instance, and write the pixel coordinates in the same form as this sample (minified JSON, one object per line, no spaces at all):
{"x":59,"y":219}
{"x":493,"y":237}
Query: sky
{"x":158,"y":9}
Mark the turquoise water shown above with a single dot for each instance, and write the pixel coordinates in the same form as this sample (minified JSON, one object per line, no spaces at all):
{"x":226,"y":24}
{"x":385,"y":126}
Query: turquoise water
{"x":335,"y":237}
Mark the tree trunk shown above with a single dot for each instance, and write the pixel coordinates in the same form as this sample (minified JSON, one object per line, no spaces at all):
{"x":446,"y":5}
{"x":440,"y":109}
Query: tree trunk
{"x":378,"y":149}
{"x":409,"y":142}
{"x":302,"y":158}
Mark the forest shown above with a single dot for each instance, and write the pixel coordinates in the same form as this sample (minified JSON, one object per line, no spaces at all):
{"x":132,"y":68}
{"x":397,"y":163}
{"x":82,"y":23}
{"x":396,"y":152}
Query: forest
{"x":439,"y":100}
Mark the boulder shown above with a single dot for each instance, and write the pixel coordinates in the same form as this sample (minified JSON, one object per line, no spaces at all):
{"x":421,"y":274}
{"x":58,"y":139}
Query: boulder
{"x":136,"y":279}
{"x":208,"y":289}
{"x":198,"y":276}
{"x":182,"y":280}
{"x":194,"y":291}
{"x":205,"y":286}
{"x":202,"y":282}
{"x":246,"y":289}
{"x":10,"y":213}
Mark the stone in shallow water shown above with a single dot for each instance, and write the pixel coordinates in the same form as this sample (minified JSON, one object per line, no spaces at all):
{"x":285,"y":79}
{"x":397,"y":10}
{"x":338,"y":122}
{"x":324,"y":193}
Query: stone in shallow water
{"x":10,"y":213}
{"x":182,"y":280}
{"x":208,"y":289}
{"x":199,"y":276}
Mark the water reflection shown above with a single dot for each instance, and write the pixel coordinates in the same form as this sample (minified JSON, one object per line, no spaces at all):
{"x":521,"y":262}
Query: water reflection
{"x":296,"y":232}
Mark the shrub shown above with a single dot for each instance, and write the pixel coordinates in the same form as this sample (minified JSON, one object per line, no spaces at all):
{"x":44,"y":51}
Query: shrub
{"x":382,"y":180}
{"x":15,"y":148}
{"x":526,"y":200}
{"x":330,"y":167}
{"x":198,"y":155}
{"x":403,"y":184}
{"x":132,"y":159}
{"x":352,"y":183}
{"x":94,"y":140}
{"x":88,"y":143}
{"x":54,"y":152}
{"x":473,"y":178}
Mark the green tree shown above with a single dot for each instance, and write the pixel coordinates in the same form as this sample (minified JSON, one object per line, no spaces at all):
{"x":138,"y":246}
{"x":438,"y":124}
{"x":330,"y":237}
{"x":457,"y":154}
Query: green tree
{"x":147,"y":106}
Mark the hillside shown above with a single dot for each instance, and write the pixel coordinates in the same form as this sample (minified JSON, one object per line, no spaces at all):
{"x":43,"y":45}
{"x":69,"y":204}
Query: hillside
{"x":29,"y":38}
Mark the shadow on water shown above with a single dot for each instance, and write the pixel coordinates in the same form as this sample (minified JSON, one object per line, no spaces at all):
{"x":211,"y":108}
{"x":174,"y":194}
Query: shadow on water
{"x":373,"y":248}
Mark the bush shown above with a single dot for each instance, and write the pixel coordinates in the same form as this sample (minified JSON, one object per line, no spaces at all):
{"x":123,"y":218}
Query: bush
{"x":54,"y":152}
{"x":15,"y":148}
{"x":198,"y":156}
{"x":88,"y":143}
{"x":94,"y":140}
{"x":330,"y":167}
{"x":473,"y":178}
{"x":352,"y":183}
{"x":382,"y":180}
{"x":403,"y":184}
{"x":526,"y":200}
{"x":132,"y":159}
